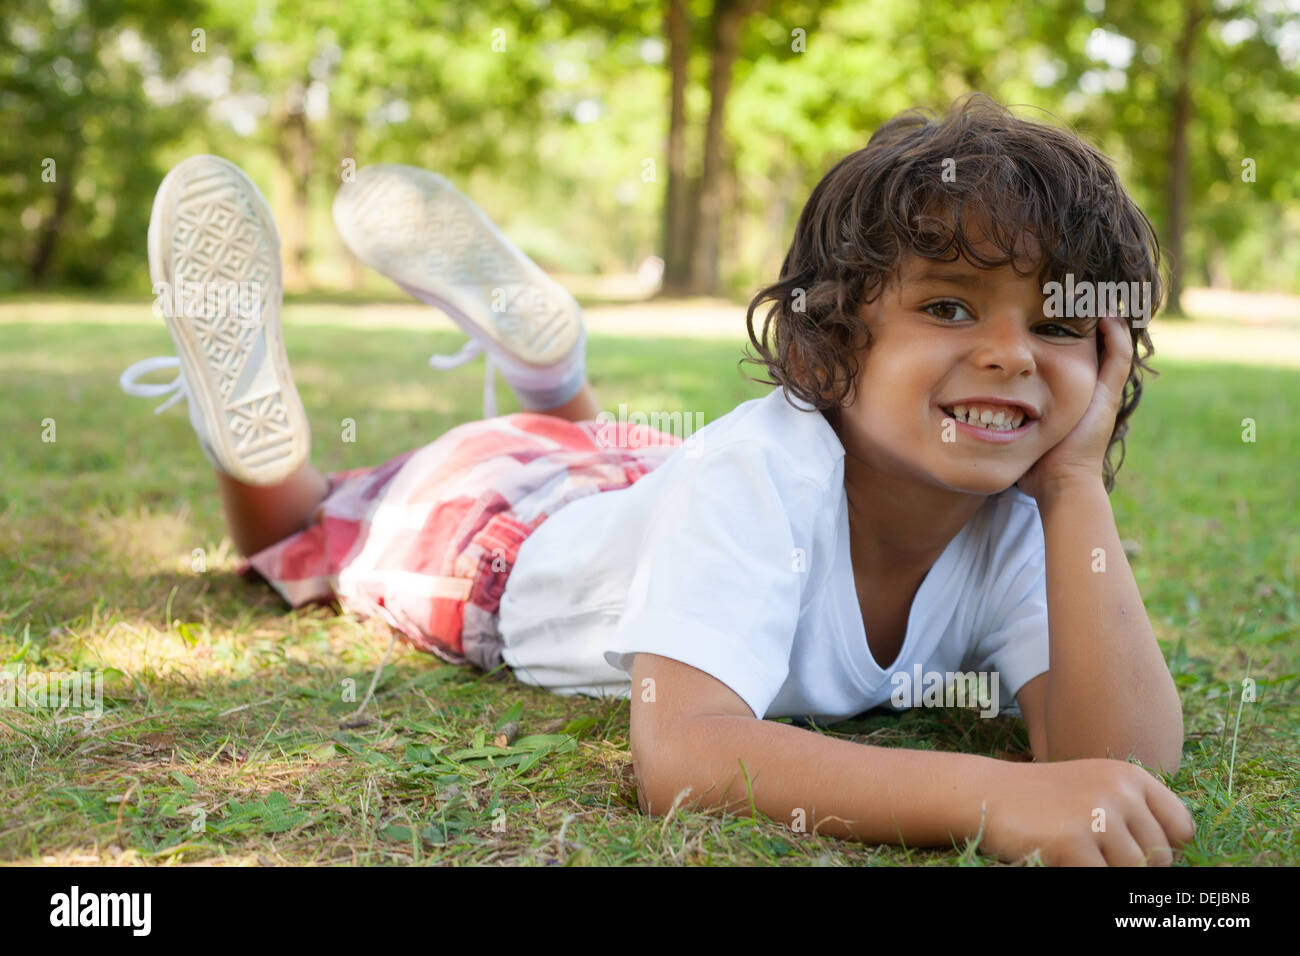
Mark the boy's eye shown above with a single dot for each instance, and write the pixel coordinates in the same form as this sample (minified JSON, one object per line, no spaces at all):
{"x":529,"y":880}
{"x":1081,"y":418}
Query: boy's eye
{"x":947,"y":305}
{"x":943,"y":310}
{"x":1069,"y":332}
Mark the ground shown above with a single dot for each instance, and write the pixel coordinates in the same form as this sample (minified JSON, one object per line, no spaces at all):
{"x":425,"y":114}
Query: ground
{"x":226,"y":736}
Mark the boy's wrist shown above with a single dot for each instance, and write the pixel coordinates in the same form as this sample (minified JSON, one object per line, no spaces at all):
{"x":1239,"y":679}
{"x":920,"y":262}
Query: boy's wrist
{"x":1064,"y":490}
{"x":995,"y":776}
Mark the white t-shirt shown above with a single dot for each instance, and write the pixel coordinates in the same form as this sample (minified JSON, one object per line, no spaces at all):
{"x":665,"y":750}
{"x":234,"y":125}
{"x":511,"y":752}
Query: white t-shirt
{"x":733,"y":557}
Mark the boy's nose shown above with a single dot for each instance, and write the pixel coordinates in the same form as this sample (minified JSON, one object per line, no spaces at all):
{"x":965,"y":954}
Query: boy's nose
{"x":1005,"y":344}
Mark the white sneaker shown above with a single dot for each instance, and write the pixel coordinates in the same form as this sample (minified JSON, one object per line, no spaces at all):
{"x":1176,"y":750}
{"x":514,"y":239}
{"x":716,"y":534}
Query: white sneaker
{"x":415,"y":227}
{"x":214,"y":258}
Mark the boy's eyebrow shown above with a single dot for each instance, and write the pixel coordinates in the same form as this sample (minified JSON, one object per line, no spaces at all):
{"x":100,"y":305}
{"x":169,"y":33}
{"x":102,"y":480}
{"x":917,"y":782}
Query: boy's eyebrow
{"x":958,"y":278}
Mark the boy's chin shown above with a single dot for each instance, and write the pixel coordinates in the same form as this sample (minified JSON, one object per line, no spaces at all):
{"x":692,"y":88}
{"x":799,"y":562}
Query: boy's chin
{"x":983,"y":484}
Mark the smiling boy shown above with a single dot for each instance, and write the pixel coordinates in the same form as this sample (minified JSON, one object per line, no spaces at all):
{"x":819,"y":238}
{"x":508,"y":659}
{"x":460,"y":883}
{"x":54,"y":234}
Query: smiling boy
{"x":925,"y":344}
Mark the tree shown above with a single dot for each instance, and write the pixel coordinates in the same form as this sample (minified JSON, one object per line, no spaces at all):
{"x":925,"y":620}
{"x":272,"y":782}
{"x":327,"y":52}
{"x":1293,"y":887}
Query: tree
{"x":677,"y":197}
{"x":452,"y":87}
{"x":79,"y":134}
{"x":1195,"y":100}
{"x":695,"y":207}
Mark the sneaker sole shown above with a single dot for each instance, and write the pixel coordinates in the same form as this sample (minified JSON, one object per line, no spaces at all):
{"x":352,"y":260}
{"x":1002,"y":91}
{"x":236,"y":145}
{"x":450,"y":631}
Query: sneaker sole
{"x":210,"y":224}
{"x":415,"y":227}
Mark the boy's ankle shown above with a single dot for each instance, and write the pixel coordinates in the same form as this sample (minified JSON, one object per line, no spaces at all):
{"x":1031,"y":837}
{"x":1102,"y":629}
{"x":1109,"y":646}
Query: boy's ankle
{"x":533,"y":398}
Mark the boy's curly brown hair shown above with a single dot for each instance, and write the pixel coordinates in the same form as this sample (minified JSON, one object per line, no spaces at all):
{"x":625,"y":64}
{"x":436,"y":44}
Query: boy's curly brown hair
{"x":1025,"y":180}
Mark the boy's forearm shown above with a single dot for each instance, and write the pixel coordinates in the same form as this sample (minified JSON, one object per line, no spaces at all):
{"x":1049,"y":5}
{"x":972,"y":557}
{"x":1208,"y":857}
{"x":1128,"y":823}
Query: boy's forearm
{"x":1109,"y":691}
{"x":842,"y":789}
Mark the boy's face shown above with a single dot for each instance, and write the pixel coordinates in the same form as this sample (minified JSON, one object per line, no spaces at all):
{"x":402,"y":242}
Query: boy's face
{"x":945,"y":332}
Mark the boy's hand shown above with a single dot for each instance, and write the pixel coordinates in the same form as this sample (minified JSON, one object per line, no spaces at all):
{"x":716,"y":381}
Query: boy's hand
{"x":1079,"y":455}
{"x":1054,"y":808}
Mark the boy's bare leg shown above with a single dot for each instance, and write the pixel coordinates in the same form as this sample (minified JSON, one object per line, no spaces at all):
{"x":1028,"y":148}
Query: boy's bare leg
{"x":260,"y":515}
{"x":583,"y":407}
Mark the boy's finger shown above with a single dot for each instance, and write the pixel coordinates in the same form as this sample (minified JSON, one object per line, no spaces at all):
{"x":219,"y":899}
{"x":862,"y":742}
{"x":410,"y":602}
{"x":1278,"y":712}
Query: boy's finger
{"x":1117,"y":357}
{"x":1120,"y":333}
{"x":1174,"y":818}
{"x":1151,"y":837}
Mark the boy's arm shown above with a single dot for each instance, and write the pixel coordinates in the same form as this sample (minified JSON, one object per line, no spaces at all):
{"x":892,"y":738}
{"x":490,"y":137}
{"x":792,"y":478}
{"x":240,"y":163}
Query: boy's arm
{"x":1108,"y":692}
{"x":697,"y":729}
{"x":691,"y":733}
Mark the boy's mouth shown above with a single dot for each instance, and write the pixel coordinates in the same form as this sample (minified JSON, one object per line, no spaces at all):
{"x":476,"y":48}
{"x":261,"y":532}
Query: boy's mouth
{"x":994,"y":417}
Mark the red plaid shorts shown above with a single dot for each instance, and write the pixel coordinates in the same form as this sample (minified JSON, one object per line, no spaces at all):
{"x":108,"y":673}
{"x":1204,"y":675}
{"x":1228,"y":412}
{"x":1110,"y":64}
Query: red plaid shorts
{"x":426,"y":541}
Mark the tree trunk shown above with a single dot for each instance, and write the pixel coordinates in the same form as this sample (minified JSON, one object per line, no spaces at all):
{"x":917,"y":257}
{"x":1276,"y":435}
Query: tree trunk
{"x":356,"y":276}
{"x":730,"y":214}
{"x":784,"y":184}
{"x":1179,"y":161}
{"x":301,"y":216}
{"x":296,"y":152}
{"x":677,"y":245}
{"x":728,"y":18}
{"x":51,"y":228}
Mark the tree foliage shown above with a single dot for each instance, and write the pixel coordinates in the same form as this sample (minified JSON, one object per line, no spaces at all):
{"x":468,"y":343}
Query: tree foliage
{"x":554,"y":116}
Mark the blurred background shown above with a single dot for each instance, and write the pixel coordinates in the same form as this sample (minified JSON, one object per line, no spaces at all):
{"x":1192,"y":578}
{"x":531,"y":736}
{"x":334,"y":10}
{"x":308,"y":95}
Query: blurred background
{"x":599,"y":134}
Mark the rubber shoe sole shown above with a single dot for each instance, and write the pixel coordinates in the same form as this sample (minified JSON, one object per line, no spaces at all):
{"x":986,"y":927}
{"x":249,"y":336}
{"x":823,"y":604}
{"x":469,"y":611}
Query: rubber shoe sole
{"x":211,"y":226}
{"x":416,"y":228}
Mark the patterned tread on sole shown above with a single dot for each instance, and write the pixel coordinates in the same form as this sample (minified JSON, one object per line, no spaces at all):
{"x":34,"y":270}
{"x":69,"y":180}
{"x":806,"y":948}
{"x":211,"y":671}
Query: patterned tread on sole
{"x":217,"y":239}
{"x":548,"y":321}
{"x":526,"y":315}
{"x":262,"y":429}
{"x":421,"y":232}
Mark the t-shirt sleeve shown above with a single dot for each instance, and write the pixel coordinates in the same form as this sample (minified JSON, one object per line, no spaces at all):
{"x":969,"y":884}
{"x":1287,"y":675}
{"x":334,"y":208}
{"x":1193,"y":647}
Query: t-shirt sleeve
{"x":1012,"y":638}
{"x":716,"y":585}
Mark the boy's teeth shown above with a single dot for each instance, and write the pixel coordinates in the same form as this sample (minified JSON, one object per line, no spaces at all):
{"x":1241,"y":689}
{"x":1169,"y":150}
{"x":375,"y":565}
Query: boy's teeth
{"x":988,"y":416}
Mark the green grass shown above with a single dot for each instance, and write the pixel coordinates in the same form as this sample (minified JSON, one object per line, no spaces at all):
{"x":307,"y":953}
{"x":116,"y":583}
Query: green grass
{"x":221,"y":701}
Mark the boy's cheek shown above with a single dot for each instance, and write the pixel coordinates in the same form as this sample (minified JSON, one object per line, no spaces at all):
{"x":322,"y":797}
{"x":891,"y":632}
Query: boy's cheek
{"x":1071,"y":420}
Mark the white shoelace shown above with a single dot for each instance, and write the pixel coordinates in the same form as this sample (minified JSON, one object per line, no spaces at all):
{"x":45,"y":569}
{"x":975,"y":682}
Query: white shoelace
{"x":178,"y":389}
{"x":144,"y":367}
{"x":468,"y":352}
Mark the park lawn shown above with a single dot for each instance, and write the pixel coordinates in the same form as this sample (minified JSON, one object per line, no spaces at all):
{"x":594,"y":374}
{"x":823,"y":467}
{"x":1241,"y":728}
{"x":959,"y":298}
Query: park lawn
{"x":225,"y":709}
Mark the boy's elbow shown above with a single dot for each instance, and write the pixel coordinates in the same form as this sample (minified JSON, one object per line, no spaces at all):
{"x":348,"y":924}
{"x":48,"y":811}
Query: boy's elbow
{"x":645,"y":785}
{"x":655,"y":796}
{"x":667,"y":766}
{"x":656,"y":781}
